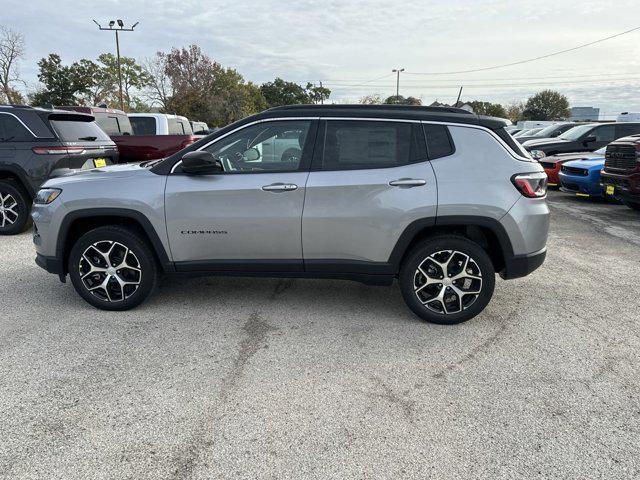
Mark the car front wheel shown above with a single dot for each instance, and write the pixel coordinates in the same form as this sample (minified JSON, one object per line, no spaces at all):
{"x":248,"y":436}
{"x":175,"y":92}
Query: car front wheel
{"x":113,"y":268}
{"x":447,"y":279}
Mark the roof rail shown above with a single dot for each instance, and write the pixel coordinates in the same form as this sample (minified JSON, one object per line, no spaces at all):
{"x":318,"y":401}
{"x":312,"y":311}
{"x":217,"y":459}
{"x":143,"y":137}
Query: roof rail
{"x":15,"y":106}
{"x":374,"y":107}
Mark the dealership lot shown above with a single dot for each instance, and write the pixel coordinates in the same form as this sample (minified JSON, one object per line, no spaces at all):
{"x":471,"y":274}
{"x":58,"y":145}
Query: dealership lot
{"x":262,"y":378}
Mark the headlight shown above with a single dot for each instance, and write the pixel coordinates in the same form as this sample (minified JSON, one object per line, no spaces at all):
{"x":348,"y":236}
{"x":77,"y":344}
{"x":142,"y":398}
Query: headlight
{"x":47,"y":195}
{"x":538,"y":154}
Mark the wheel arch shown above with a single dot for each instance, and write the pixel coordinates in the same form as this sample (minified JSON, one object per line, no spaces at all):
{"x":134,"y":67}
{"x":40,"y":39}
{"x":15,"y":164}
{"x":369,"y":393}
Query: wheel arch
{"x":485,"y":231}
{"x":78,"y":222}
{"x":8,"y":172}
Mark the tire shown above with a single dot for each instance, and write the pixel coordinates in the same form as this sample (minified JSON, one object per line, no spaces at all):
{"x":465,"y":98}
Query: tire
{"x":632,"y":205}
{"x":122,"y":287}
{"x":15,"y":205}
{"x":451,"y":251}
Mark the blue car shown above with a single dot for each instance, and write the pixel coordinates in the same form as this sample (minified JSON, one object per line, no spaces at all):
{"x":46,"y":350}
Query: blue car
{"x":582,"y":177}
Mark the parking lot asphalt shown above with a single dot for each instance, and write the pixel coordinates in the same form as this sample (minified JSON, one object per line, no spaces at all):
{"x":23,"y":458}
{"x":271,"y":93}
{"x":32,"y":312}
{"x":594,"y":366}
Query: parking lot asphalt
{"x":265,"y":378}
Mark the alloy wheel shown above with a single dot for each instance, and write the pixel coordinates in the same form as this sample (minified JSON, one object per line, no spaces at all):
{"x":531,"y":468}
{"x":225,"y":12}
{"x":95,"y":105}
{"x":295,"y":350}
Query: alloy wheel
{"x":110,"y":271}
{"x":447,"y":282}
{"x":8,"y":209}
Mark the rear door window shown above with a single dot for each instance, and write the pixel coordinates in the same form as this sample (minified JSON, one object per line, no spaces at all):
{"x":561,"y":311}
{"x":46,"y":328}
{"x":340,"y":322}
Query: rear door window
{"x":179,"y":127}
{"x":78,"y":131}
{"x":11,"y":130}
{"x":113,"y":123}
{"x":353,"y":144}
{"x":605,"y":133}
{"x":626,"y":129}
{"x":143,"y":125}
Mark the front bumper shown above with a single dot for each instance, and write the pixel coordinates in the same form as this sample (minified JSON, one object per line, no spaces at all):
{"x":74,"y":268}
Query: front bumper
{"x":522,"y":265}
{"x":50,"y":264}
{"x":582,"y":186}
{"x":625,"y":186}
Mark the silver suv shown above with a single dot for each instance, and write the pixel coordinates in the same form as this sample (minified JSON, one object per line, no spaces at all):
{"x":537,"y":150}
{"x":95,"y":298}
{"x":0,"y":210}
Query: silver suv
{"x":438,"y":198}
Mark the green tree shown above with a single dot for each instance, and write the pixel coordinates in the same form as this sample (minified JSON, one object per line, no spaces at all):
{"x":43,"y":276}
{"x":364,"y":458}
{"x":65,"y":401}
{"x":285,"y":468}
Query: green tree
{"x":280,"y":92}
{"x":373,"y":99}
{"x":317,"y":94}
{"x":547,"y":105}
{"x":62,"y":84}
{"x":400,"y":100}
{"x":106,"y":85}
{"x":488,"y":108}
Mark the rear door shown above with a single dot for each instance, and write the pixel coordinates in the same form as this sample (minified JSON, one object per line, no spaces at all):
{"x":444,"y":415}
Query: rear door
{"x":249,"y":217}
{"x":370,"y":179}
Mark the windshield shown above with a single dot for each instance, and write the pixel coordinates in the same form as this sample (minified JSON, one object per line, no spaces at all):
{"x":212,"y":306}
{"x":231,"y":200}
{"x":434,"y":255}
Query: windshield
{"x":576,"y":132}
{"x":549,"y":131}
{"x":74,"y":131}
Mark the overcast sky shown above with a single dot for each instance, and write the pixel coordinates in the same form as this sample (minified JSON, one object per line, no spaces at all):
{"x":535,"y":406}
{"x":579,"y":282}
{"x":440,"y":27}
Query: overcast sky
{"x":347,"y":43}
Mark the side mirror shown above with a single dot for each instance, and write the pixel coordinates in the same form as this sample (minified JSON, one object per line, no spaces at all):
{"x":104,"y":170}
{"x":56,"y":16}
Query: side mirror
{"x":251,"y":155}
{"x":589,"y":139}
{"x":200,"y":163}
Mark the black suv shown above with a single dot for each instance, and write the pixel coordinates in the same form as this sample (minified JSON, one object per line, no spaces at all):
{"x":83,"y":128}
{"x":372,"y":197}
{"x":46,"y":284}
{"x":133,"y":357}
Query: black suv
{"x":583,"y":138}
{"x":37,"y":144}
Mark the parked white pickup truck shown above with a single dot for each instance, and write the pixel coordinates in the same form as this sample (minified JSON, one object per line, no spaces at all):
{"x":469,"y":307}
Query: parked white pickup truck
{"x":159,"y":124}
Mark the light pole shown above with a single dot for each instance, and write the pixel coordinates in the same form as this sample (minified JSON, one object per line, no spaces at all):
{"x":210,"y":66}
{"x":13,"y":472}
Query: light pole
{"x":398,"y":70}
{"x":119,"y":28}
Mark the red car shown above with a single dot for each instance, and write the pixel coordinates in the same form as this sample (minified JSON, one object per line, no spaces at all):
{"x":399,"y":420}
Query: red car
{"x":553,"y":163}
{"x":132,"y":147}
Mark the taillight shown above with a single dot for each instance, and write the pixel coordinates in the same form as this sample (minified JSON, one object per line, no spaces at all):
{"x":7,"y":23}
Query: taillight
{"x":531,"y":185}
{"x":58,"y":150}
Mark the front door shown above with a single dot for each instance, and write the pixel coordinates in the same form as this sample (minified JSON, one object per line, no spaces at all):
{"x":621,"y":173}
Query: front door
{"x":248,"y":217}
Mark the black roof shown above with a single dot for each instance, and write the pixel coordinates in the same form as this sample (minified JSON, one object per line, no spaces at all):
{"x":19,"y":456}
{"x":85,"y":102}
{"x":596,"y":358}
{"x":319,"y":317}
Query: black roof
{"x":402,"y":112}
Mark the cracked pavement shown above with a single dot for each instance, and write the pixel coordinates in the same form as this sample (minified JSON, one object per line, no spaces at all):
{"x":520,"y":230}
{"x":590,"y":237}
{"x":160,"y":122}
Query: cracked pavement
{"x":266,"y":378}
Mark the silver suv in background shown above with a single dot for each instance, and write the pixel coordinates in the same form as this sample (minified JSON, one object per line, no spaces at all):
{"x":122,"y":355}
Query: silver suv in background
{"x":437,"y":198}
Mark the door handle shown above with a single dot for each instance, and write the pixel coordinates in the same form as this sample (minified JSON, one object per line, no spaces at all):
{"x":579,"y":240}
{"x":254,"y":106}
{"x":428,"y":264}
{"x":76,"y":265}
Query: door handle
{"x":280,"y":187}
{"x":408,"y":182}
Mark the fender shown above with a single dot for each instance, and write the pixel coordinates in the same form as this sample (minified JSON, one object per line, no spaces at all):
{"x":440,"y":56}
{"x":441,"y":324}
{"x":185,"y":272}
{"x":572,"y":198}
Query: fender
{"x":138,"y":217}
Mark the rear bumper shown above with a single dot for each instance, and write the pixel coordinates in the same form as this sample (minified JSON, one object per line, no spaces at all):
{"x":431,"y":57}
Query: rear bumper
{"x":522,"y":265}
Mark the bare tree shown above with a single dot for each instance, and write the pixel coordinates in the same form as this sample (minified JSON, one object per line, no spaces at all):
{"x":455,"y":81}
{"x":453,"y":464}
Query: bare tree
{"x":160,"y":88}
{"x":12,"y":49}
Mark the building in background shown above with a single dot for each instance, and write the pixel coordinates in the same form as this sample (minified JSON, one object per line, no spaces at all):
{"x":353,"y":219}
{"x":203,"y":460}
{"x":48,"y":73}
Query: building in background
{"x":584,"y":114}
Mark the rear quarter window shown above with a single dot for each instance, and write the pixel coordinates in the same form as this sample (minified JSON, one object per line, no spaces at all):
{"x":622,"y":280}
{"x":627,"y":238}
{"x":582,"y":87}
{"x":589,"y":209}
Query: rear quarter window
{"x":11,"y":130}
{"x":439,"y":142}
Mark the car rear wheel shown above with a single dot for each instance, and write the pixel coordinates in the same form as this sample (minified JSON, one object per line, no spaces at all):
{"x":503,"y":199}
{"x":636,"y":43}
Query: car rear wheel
{"x":113,"y":268}
{"x":447,"y":279}
{"x":14,"y":208}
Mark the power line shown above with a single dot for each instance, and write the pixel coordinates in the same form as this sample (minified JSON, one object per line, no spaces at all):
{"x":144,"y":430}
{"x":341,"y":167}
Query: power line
{"x":529,"y":59}
{"x":523,"y":84}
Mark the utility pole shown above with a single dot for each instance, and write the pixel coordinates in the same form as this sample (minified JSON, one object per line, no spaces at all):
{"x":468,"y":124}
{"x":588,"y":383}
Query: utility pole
{"x":321,"y":97}
{"x":398,"y":70}
{"x":119,"y":28}
{"x":459,"y":95}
